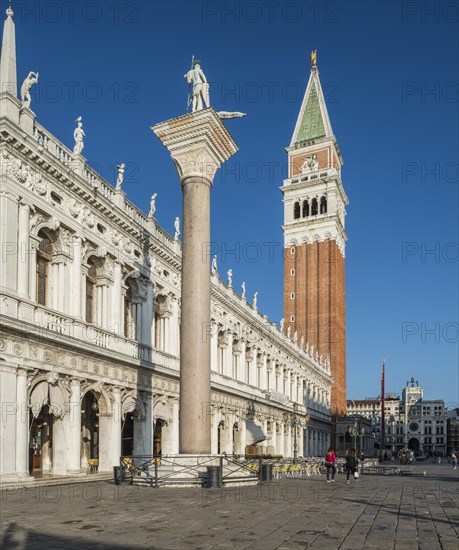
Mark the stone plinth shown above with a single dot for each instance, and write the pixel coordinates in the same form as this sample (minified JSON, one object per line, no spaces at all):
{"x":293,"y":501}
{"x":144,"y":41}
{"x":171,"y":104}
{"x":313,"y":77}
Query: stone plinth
{"x":199,"y":144}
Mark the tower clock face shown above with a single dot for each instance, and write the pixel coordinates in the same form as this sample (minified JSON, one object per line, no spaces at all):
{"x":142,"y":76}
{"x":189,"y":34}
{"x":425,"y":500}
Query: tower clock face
{"x":414,"y":427}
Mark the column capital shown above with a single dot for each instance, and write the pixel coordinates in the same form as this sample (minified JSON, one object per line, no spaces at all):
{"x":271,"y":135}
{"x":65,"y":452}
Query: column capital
{"x":198,"y":143}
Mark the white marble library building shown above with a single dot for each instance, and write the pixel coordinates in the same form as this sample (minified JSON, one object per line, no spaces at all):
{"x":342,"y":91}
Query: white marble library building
{"x":90,"y":297}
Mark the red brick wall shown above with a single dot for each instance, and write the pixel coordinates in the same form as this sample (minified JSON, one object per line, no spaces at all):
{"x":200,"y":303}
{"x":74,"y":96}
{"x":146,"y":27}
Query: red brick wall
{"x":319,"y":307}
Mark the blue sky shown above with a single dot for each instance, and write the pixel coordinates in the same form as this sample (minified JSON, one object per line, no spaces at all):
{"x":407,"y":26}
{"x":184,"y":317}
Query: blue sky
{"x":389,"y":72}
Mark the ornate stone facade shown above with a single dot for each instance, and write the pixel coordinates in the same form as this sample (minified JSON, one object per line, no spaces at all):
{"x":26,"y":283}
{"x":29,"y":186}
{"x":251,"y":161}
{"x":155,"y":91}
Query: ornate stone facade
{"x":90,"y":306}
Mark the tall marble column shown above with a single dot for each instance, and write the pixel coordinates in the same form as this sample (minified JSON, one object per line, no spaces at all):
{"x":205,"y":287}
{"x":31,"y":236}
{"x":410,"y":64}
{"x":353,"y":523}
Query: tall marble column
{"x":22,"y":425}
{"x":199,"y":144}
{"x":77,"y":304}
{"x":23,"y":250}
{"x":116,"y":426}
{"x":74,"y":427}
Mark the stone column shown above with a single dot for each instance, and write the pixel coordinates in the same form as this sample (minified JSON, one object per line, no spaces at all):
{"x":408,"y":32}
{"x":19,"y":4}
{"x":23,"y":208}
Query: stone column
{"x":23,"y":250}
{"x":74,"y":427}
{"x":116,"y":305}
{"x":77,"y":304}
{"x":116,"y":427}
{"x":199,"y":144}
{"x":33,"y":243}
{"x":22,"y":425}
{"x":59,"y":446}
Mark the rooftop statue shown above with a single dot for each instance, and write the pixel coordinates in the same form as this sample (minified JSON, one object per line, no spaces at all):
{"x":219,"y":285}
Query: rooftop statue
{"x":177,"y":228}
{"x":31,"y":79}
{"x":120,"y":178}
{"x":200,"y":87}
{"x":214,"y":266}
{"x":152,"y":205}
{"x":79,"y":136}
{"x":230,"y":277}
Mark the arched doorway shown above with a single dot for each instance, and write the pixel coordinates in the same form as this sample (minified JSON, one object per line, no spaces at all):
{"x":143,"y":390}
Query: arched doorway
{"x":40,"y":441}
{"x":236,"y":439}
{"x":413,"y":444}
{"x":158,"y":437}
{"x":89,"y":429}
{"x":221,"y":428}
{"x":127,"y":435}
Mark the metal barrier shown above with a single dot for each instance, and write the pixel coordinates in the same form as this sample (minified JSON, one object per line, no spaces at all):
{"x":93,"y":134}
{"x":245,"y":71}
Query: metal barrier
{"x":159,"y":471}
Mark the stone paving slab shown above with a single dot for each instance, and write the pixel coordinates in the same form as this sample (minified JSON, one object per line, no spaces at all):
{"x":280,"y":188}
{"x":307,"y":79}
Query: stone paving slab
{"x":378,"y":512}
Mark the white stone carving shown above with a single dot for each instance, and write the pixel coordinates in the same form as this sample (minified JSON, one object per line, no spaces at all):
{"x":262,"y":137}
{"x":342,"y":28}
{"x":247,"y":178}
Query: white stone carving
{"x":199,"y":87}
{"x":79,"y":136}
{"x":30,"y":80}
{"x":177,"y":228}
{"x":120,"y":177}
{"x":152,"y":210}
{"x":214,"y":266}
{"x":230,"y":277}
{"x":226,"y":114}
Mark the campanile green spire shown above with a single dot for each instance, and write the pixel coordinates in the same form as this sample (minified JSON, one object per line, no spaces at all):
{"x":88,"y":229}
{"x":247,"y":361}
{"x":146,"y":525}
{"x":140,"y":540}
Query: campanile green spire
{"x":313,"y":121}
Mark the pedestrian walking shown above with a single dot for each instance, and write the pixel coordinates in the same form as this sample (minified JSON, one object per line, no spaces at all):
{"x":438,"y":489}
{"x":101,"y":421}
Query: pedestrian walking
{"x":454,"y":459}
{"x":351,"y":465}
{"x":439,"y":459}
{"x":330,"y":463}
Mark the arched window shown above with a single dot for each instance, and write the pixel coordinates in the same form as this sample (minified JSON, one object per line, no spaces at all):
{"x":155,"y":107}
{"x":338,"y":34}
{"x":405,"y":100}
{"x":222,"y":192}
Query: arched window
{"x":129,"y":330}
{"x":314,"y":208}
{"x":323,"y":205}
{"x":305,"y":209}
{"x":296,"y":211}
{"x":44,"y":253}
{"x":132,"y":310}
{"x":91,"y":278}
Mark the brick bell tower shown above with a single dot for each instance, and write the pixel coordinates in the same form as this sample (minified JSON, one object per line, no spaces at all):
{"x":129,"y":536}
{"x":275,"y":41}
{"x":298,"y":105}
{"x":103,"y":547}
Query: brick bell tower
{"x":314,"y":238}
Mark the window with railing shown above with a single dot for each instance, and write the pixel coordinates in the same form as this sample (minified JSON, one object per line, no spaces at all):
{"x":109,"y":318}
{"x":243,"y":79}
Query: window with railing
{"x":44,"y":255}
{"x":42,"y":280}
{"x":90,"y":297}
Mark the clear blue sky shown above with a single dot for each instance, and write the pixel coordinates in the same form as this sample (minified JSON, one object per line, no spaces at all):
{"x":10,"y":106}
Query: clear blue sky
{"x":389,"y":71}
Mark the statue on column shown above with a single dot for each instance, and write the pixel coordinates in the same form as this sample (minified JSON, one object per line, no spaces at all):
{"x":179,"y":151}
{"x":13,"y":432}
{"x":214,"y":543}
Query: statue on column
{"x":214,"y":266}
{"x":289,"y":330}
{"x":243,"y":289}
{"x":177,"y":228}
{"x":282,"y":322}
{"x":230,"y":277}
{"x":120,"y":178}
{"x":255,"y":297}
{"x":200,"y":87}
{"x":31,"y":79}
{"x":152,"y":205}
{"x":79,"y":136}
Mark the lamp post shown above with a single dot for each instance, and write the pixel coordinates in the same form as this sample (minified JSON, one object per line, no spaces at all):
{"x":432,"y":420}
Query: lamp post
{"x":294,"y":422}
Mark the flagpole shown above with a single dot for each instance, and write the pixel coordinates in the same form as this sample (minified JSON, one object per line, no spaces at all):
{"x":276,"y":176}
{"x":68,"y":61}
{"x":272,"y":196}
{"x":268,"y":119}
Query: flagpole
{"x":383,"y":420}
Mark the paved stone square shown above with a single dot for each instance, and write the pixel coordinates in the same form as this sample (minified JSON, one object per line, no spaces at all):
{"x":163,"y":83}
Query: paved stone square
{"x":410,"y":512}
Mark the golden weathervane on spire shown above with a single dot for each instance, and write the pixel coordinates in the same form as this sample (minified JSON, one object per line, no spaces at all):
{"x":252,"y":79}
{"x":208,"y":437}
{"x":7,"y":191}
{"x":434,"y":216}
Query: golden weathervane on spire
{"x":313,"y":58}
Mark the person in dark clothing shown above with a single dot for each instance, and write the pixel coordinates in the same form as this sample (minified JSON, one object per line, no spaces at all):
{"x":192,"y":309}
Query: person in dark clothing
{"x":351,"y":464}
